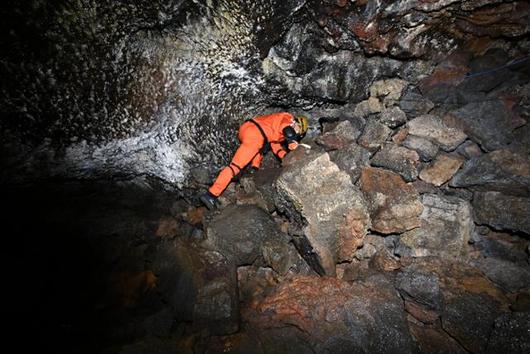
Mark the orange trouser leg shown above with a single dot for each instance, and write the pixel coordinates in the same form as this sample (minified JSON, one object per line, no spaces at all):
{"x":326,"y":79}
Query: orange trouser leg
{"x":256,"y":161}
{"x":244,"y":154}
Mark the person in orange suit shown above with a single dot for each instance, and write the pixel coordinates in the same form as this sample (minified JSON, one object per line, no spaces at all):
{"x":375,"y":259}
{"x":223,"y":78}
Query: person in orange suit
{"x":257,"y":137}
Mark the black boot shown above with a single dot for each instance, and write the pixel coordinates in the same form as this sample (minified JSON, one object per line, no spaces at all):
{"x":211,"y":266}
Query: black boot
{"x":209,"y":200}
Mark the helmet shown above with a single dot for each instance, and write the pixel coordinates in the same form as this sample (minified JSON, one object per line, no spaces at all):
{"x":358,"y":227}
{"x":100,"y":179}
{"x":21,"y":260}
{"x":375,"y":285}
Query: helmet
{"x":303,"y":122}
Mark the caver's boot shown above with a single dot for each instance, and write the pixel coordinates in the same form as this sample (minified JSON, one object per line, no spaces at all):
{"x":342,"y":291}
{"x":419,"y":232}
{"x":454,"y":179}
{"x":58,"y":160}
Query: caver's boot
{"x":209,"y":200}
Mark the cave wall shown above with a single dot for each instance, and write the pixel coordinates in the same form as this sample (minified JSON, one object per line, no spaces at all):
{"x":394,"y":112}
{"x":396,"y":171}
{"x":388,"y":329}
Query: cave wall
{"x":116,"y":89}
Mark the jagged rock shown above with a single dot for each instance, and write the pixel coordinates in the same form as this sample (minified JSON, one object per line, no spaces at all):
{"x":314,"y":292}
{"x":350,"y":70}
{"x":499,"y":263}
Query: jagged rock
{"x":389,"y":90}
{"x":507,"y":275}
{"x":510,"y":334}
{"x":321,"y":199}
{"x":374,"y":135}
{"x":445,"y":229}
{"x":351,"y":160}
{"x":500,"y":170}
{"x":367,"y":107}
{"x":505,"y":246}
{"x":424,"y":147}
{"x":199,"y":285}
{"x":339,"y":316}
{"x":393,"y":117}
{"x":469,"y":149}
{"x":400,"y":136}
{"x":384,"y":261}
{"x":239,"y":232}
{"x":414,"y":104}
{"x":469,"y":319}
{"x":398,"y":159}
{"x":280,"y":254}
{"x":502,"y":211}
{"x":393,"y":204}
{"x":433,"y":340}
{"x":423,"y":288}
{"x":341,"y":136}
{"x":487,"y":122}
{"x":441,"y":170}
{"x":433,"y":128}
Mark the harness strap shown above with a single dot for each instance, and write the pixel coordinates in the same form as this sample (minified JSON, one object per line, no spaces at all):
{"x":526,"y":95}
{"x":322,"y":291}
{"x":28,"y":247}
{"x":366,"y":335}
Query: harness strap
{"x":234,"y":173}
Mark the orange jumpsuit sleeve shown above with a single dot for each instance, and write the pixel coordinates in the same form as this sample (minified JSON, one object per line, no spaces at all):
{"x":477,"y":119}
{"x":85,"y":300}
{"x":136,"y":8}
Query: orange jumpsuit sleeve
{"x":278,"y":150}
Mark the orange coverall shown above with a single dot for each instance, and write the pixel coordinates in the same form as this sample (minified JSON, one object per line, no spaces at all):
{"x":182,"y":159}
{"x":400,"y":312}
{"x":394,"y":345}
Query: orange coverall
{"x":251,"y":143}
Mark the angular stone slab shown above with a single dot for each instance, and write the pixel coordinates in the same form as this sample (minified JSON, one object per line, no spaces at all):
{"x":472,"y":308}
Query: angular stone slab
{"x":321,"y":199}
{"x":500,"y":170}
{"x":398,"y":159}
{"x":446,"y":227}
{"x":393,"y":204}
{"x":487,"y":123}
{"x":433,"y":128}
{"x":502,"y":212}
{"x":441,"y":170}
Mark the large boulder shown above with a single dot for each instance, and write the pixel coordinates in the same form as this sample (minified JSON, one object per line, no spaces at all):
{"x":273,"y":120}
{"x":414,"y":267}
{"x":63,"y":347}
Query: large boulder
{"x":501,"y":170}
{"x":393,"y":204}
{"x":321,"y":199}
{"x":501,"y":211}
{"x":431,"y":127}
{"x":200,"y":286}
{"x":335,"y":316}
{"x":446,"y":227}
{"x":239,"y":233}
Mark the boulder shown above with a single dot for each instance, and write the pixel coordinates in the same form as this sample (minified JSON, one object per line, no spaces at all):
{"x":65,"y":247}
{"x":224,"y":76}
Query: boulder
{"x":336,"y":316}
{"x":423,"y":146}
{"x":431,"y":127}
{"x":331,"y":212}
{"x":510,"y":334}
{"x":351,"y":160}
{"x":239,"y":232}
{"x":398,"y":159}
{"x":441,"y":170}
{"x":500,"y":170}
{"x":393,"y":204}
{"x":374,"y":135}
{"x":487,"y":122}
{"x":445,"y":230}
{"x":502,"y":212}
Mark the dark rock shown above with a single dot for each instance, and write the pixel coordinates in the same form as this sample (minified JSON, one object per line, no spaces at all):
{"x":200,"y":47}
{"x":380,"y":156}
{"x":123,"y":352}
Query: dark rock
{"x":509,"y":276}
{"x":351,"y":160}
{"x":239,"y":231}
{"x":487,"y":123}
{"x":424,"y":147}
{"x":510,"y":334}
{"x":393,"y":117}
{"x":423,"y":288}
{"x":500,"y":170}
{"x":414,"y":104}
{"x":374,"y":135}
{"x":398,"y":159}
{"x":502,"y":212}
{"x":200,"y":286}
{"x":469,"y":318}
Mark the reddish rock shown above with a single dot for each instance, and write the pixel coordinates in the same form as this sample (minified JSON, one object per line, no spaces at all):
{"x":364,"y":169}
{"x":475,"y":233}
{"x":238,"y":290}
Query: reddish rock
{"x":420,"y":312}
{"x":393,"y":204}
{"x":441,"y":170}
